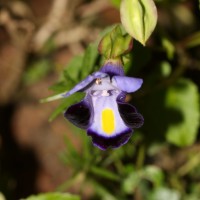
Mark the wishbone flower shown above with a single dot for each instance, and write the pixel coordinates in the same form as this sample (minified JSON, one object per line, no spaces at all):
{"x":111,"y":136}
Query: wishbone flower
{"x":108,"y":119}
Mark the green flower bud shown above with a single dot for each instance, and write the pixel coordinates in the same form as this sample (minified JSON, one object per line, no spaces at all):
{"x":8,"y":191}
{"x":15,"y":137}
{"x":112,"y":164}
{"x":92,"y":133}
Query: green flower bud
{"x":115,"y":44}
{"x":139,"y":18}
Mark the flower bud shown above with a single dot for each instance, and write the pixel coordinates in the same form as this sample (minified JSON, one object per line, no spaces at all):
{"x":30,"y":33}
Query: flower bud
{"x":115,"y":44}
{"x":139,"y":18}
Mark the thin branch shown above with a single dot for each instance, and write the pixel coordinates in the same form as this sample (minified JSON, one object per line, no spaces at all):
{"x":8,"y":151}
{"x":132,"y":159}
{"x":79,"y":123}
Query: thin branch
{"x":53,"y":23}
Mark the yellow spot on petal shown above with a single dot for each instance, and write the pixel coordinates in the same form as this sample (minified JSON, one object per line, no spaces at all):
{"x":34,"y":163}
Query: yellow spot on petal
{"x":108,"y":121}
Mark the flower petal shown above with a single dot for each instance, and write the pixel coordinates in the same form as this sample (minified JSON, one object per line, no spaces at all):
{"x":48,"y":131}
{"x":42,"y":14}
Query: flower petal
{"x":106,"y":120}
{"x":79,"y":114}
{"x":129,"y":114}
{"x":114,"y":142}
{"x":112,"y":68}
{"x":107,"y":128}
{"x":128,"y":84}
{"x":84,"y":83}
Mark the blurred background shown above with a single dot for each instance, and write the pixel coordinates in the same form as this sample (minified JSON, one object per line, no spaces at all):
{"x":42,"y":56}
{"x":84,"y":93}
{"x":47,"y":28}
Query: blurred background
{"x":43,"y":44}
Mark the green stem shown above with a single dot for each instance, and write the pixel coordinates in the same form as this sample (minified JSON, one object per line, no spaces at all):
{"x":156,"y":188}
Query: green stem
{"x":141,"y":157}
{"x":53,"y":98}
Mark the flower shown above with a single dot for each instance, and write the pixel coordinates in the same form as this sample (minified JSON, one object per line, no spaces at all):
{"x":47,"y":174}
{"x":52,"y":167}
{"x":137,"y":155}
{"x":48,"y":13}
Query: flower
{"x":108,"y":119}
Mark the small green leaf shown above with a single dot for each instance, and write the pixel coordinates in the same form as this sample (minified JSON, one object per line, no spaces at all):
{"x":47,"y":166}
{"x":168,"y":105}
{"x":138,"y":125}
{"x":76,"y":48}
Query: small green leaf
{"x":165,"y":194}
{"x":153,"y":174}
{"x":70,"y":147}
{"x":2,"y":196}
{"x":139,"y":18}
{"x":66,"y":103}
{"x":62,"y":86}
{"x":80,"y":66}
{"x":103,"y":192}
{"x":37,"y":71}
{"x":71,"y":156}
{"x":183,"y":97}
{"x":165,"y":68}
{"x":53,"y":196}
{"x":59,"y":109}
{"x":169,"y":47}
{"x":101,"y":172}
{"x":116,"y":3}
{"x":193,"y":40}
{"x":199,"y":4}
{"x":131,"y":182}
{"x":89,"y":59}
{"x":73,"y":69}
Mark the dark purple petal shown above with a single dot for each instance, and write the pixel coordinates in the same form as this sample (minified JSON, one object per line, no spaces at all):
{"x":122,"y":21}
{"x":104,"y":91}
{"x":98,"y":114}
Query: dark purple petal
{"x":79,"y":114}
{"x":113,"y":142}
{"x":121,"y":97}
{"x":129,"y":114}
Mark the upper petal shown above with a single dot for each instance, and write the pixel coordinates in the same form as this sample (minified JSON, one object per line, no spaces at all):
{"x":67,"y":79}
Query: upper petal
{"x":106,"y":120}
{"x":128,"y":84}
{"x":107,"y":128}
{"x":85,"y":83}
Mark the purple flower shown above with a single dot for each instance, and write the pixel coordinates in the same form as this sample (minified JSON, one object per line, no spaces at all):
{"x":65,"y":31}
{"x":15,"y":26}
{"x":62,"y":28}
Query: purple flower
{"x":108,"y":119}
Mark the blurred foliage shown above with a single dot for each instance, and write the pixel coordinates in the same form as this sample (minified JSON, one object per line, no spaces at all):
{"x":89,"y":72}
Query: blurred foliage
{"x":183,"y":97}
{"x":2,"y":196}
{"x":37,"y":71}
{"x":161,"y":161}
{"x":52,"y":196}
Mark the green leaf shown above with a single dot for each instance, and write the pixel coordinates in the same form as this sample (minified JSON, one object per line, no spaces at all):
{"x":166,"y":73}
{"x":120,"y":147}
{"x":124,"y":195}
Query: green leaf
{"x":73,"y":69}
{"x":193,"y":40}
{"x":59,"y":109}
{"x":37,"y":71}
{"x":151,"y":173}
{"x":2,"y":196}
{"x":139,"y":18}
{"x":169,"y":47}
{"x":71,"y":156}
{"x":89,"y":59}
{"x":116,"y":3}
{"x":131,"y":182}
{"x":103,"y":192}
{"x":165,"y":68}
{"x":66,"y":103}
{"x":183,"y":97}
{"x":165,"y":194}
{"x":54,"y":196}
{"x":62,"y":86}
{"x":101,"y":172}
{"x":199,"y":4}
{"x":82,"y":65}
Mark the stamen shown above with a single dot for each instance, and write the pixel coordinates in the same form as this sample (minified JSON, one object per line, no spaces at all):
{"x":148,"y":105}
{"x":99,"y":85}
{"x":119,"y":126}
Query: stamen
{"x":105,"y":93}
{"x":98,"y":81}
